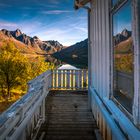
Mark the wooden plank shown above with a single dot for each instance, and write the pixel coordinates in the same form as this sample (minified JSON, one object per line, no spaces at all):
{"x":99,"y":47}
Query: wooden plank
{"x":68,"y":79}
{"x":61,"y":79}
{"x":68,"y":117}
{"x":104,"y":130}
{"x":109,"y":135}
{"x":87,"y":78}
{"x":57,"y":79}
{"x":76,"y":79}
{"x":71,"y":79}
{"x":81,"y":79}
{"x":65,"y":85}
{"x":53,"y":76}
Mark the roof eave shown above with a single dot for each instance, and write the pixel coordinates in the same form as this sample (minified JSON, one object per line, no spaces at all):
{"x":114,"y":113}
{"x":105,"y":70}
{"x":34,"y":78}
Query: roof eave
{"x":80,"y":3}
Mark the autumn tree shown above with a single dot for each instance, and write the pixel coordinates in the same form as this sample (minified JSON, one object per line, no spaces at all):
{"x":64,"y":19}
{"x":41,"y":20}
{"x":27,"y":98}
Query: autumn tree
{"x":14,"y":68}
{"x":38,"y":66}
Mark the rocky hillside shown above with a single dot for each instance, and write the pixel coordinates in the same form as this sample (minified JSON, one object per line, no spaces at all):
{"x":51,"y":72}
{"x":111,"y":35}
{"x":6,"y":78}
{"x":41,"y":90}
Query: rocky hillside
{"x":124,"y":35}
{"x":29,"y":44}
{"x":76,"y":54}
{"x":124,"y":52}
{"x":123,"y":42}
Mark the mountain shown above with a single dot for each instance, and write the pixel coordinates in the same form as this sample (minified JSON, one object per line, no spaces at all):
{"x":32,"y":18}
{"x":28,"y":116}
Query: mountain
{"x":124,"y":52}
{"x":76,"y":54}
{"x":6,"y":37}
{"x":124,"y":47}
{"x":123,"y":42}
{"x":30,"y":44}
{"x":124,"y":35}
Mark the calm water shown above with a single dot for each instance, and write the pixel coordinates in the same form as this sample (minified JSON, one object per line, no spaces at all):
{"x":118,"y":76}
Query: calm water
{"x":60,"y":64}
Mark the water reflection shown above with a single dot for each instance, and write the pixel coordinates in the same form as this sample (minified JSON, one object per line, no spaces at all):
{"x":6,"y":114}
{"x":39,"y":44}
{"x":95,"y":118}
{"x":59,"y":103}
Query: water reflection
{"x":51,"y":59}
{"x":71,"y":64}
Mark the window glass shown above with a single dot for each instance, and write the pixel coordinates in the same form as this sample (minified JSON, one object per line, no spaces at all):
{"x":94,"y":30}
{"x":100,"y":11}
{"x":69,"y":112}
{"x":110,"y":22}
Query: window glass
{"x":123,"y":56}
{"x":114,"y":2}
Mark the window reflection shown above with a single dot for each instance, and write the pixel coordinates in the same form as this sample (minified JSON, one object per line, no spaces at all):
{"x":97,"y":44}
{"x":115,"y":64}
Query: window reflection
{"x":114,"y":2}
{"x":123,"y":56}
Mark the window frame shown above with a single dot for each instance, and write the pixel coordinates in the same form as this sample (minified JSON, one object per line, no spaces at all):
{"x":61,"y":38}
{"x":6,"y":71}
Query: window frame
{"x":113,"y":10}
{"x":136,"y":42}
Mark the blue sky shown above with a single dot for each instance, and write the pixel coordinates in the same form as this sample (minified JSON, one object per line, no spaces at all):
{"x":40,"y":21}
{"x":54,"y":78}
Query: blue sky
{"x":47,"y":19}
{"x":122,"y":18}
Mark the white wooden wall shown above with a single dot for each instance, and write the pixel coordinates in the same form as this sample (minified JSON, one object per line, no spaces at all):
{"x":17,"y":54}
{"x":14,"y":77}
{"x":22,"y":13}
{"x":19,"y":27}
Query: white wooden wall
{"x":112,"y":122}
{"x":100,"y":51}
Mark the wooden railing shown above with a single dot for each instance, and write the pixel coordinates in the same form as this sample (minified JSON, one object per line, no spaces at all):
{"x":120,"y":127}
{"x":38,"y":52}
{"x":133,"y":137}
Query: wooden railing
{"x":23,"y":119}
{"x":69,"y":79}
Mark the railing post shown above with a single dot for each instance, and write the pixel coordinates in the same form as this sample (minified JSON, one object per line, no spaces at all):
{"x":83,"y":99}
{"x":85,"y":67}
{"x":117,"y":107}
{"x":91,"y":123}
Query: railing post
{"x":43,"y":110}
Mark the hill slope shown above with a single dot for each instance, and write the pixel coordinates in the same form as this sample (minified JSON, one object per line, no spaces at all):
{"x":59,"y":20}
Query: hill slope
{"x":76,"y":54}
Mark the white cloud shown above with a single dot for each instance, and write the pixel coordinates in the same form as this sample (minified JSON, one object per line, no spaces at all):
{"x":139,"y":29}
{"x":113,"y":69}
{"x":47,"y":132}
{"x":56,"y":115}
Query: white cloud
{"x":66,"y":36}
{"x":7,"y":25}
{"x":55,"y":12}
{"x":83,"y":29}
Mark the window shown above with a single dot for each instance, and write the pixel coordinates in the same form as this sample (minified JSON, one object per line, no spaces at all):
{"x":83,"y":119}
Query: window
{"x":114,"y":2}
{"x":123,"y":69}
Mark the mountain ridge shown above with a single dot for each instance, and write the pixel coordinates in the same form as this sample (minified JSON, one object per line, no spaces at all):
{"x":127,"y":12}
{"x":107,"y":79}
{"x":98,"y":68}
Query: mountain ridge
{"x":124,"y":35}
{"x":34,"y":43}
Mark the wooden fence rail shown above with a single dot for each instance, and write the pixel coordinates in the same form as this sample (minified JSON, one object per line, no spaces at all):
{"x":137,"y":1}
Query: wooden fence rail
{"x":69,"y":79}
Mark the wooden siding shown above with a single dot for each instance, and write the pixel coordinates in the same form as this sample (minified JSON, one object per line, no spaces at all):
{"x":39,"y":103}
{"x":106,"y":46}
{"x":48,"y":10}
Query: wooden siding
{"x":105,"y":111}
{"x":100,"y":47}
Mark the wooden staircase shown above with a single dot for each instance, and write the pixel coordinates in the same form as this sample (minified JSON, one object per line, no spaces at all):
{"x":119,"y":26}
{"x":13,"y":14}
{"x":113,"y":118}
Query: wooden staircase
{"x":67,"y":117}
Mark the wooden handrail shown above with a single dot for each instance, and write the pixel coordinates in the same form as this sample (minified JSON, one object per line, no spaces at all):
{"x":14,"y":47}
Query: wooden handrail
{"x":20,"y":120}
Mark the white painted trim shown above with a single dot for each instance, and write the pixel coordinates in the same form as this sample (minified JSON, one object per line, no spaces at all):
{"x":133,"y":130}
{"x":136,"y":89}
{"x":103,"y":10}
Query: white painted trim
{"x":108,"y":118}
{"x":27,"y":119}
{"x":126,"y":125}
{"x":136,"y":42}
